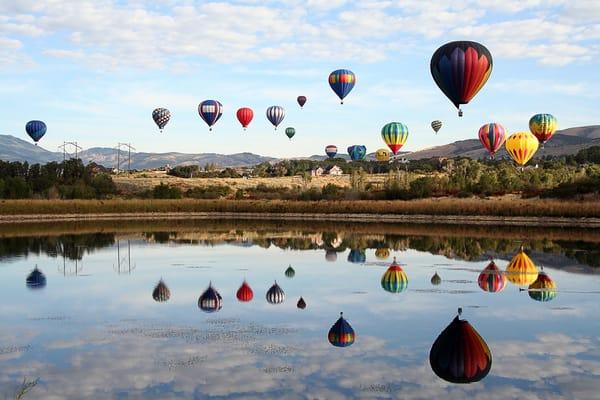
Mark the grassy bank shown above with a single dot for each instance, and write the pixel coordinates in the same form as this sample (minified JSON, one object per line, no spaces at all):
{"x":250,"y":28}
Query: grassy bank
{"x":501,"y":207}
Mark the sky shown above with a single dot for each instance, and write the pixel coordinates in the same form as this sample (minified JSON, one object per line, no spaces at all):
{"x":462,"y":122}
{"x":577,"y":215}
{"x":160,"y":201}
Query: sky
{"x":95,"y":70}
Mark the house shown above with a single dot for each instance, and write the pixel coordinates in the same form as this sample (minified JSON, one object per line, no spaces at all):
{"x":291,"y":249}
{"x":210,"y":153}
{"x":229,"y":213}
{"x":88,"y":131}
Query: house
{"x":316,"y":171}
{"x":333,"y":170}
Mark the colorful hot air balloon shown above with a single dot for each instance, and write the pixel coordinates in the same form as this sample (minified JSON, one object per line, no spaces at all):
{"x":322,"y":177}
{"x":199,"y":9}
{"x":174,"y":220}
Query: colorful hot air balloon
{"x":341,"y":333}
{"x":331,"y":255}
{"x":357,"y":152}
{"x":394,"y":280}
{"x":245,"y":115}
{"x":543,"y":289}
{"x":382,"y":253}
{"x":436,"y":125}
{"x":289,"y":272}
{"x":436,"y":279}
{"x":36,"y":279}
{"x":492,"y":137}
{"x":459,"y":354}
{"x":275,"y":294}
{"x":275,"y":114}
{"x":36,"y":130}
{"x":543,"y":127}
{"x":210,"y":111}
{"x":521,"y":270}
{"x":460,"y":69}
{"x":382,"y":155}
{"x":301,"y":101}
{"x":521,"y":146}
{"x":161,"y":292}
{"x":161,"y":117}
{"x":210,"y":301}
{"x":290,"y":132}
{"x":394,"y":135}
{"x":491,"y":279}
{"x":331,"y":150}
{"x":342,"y":81}
{"x":357,"y":256}
{"x":244,"y":293}
{"x":301,"y":304}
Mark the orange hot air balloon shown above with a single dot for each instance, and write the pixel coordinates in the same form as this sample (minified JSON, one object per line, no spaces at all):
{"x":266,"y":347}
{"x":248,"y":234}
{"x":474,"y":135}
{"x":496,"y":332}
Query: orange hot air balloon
{"x":245,"y":293}
{"x":521,"y":271}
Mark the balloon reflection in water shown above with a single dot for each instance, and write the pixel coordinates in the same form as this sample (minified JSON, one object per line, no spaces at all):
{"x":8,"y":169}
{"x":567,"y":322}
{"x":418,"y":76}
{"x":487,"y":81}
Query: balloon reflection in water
{"x":301,"y":304}
{"x":543,"y":289}
{"x":245,"y":293}
{"x":275,"y":294}
{"x":436,"y":279}
{"x":36,"y":279}
{"x":341,"y":333}
{"x":210,"y":301}
{"x":161,"y":292}
{"x":357,"y":256}
{"x":382,"y":253}
{"x":289,"y":272}
{"x":394,"y":280}
{"x":521,"y":270}
{"x":331,"y":255}
{"x":459,"y":354}
{"x":491,"y":279}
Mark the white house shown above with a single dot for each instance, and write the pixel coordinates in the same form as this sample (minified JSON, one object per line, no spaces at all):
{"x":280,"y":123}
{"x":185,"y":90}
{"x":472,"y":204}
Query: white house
{"x":316,"y":171}
{"x":333,"y":170}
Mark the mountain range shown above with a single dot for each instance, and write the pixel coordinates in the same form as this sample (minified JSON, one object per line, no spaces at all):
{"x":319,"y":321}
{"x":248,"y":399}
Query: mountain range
{"x":564,"y":142}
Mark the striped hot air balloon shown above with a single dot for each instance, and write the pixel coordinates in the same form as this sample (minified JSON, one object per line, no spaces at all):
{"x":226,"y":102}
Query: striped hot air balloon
{"x":244,"y":293}
{"x":210,"y":301}
{"x":289,"y":272}
{"x":331,"y":150}
{"x":210,"y":111}
{"x":521,"y":146}
{"x":394,"y":134}
{"x":459,"y":354}
{"x":382,"y":253}
{"x":275,"y":294}
{"x":394,"y":280}
{"x":341,"y":333}
{"x":492,"y":137}
{"x":245,"y":115}
{"x":301,"y":304}
{"x":357,"y":152}
{"x":342,"y":81}
{"x":543,"y":289}
{"x":543,"y":127}
{"x":491,"y":279}
{"x":436,"y":125}
{"x":275,"y":114}
{"x":161,"y":117}
{"x":521,"y":271}
{"x":161,"y":292}
{"x":36,"y":279}
{"x":36,"y":130}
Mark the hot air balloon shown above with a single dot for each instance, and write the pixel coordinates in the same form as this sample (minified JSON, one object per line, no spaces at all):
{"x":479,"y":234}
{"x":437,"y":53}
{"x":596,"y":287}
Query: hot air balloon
{"x":290,"y":132}
{"x":357,"y":256}
{"x":436,"y":125}
{"x":161,"y":292}
{"x":289,"y":272}
{"x":460,"y":69}
{"x":331,"y":150}
{"x":210,"y":111}
{"x":543,"y":289}
{"x":342,"y":81}
{"x":394,"y":280}
{"x":331,"y":255}
{"x":36,"y":130}
{"x":382,"y":253}
{"x":492,"y":137}
{"x":210,"y":301}
{"x":245,"y":115}
{"x":301,"y":101}
{"x":161,"y":117}
{"x":301,"y":304}
{"x":341,"y":333}
{"x":436,"y":279}
{"x":394,"y":135}
{"x":275,"y":294}
{"x":543,"y":127}
{"x":36,"y":279}
{"x":491,"y":279}
{"x":459,"y":354}
{"x":275,"y":115}
{"x":521,"y":146}
{"x":244,"y":293}
{"x":382,"y":155}
{"x":357,"y":152}
{"x":521,"y":270}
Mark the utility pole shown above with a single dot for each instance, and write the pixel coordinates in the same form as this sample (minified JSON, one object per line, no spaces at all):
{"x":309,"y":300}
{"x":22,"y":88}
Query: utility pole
{"x":129,"y":147}
{"x":73,"y":146}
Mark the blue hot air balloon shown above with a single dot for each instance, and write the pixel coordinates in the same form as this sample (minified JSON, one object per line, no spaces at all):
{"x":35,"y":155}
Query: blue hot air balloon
{"x":275,"y":114}
{"x":342,"y":81}
{"x":331,"y":150}
{"x":36,"y":130}
{"x":341,"y":333}
{"x":357,"y":152}
{"x":210,"y":111}
{"x":357,"y":256}
{"x":36,"y":279}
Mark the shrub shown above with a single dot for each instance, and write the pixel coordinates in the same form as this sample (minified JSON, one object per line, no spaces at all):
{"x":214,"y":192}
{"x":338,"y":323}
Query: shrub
{"x":209,"y":192}
{"x":163,"y":191}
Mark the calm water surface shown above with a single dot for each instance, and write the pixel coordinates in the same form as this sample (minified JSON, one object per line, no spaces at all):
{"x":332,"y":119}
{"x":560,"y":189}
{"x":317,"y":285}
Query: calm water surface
{"x":89,"y":327}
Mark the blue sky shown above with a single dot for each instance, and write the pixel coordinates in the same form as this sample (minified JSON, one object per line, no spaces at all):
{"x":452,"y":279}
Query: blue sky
{"x":94,"y":70}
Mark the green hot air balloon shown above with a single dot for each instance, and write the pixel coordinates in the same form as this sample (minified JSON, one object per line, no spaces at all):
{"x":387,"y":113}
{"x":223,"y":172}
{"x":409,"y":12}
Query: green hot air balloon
{"x":289,"y":272}
{"x":290,"y":132}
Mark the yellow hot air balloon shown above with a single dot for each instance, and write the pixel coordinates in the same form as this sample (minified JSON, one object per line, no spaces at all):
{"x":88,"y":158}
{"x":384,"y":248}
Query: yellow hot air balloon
{"x":382,"y":155}
{"x":543,"y":289}
{"x":382,"y":253}
{"x":521,"y":146}
{"x":521,"y":270}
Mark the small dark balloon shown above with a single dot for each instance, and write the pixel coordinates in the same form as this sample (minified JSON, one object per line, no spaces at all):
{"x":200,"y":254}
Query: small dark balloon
{"x":301,"y":304}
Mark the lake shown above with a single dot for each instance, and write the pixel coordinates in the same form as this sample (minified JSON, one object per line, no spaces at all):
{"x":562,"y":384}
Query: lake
{"x":83,"y":315}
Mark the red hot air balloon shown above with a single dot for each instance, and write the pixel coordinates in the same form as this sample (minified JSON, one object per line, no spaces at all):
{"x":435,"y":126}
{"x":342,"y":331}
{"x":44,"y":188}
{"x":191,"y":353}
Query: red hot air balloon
{"x":492,"y":137}
{"x":245,"y":115}
{"x":459,"y":354}
{"x":491,"y":279}
{"x":245,"y":293}
{"x":341,"y":333}
{"x":301,"y":101}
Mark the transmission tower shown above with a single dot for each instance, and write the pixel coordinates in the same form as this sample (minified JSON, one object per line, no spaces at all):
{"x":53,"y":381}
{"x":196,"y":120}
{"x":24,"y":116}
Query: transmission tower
{"x":128,"y":147}
{"x":73,"y":147}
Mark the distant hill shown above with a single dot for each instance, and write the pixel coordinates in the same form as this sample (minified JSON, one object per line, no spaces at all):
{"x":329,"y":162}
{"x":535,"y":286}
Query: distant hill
{"x":15,"y":149}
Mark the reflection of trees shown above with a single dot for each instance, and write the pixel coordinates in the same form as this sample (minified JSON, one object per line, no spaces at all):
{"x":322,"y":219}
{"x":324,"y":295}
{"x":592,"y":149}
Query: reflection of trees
{"x":72,"y":247}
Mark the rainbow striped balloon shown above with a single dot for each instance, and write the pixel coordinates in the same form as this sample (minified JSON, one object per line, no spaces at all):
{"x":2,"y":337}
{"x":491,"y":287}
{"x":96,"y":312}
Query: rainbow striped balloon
{"x":394,"y":280}
{"x":543,"y":289}
{"x":394,"y":135}
{"x":521,"y":146}
{"x":342,"y":81}
{"x":341,"y":333}
{"x":492,"y":137}
{"x":543,"y":126}
{"x":491,"y":279}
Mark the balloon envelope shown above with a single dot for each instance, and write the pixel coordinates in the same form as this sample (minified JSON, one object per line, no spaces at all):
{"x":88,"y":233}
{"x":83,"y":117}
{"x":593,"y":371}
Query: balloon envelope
{"x":301,"y":304}
{"x":341,"y":333}
{"x":543,"y":127}
{"x":331,"y":150}
{"x":382,"y":253}
{"x":161,"y":117}
{"x":342,"y":81}
{"x":301,"y":101}
{"x":543,"y":289}
{"x":521,"y":270}
{"x":210,"y":301}
{"x":275,"y":294}
{"x":290,"y":132}
{"x":244,"y":293}
{"x":161,"y":292}
{"x":521,"y":147}
{"x":275,"y":114}
{"x":357,"y":152}
{"x":394,"y":280}
{"x":210,"y":111}
{"x":357,"y":256}
{"x":491,"y":279}
{"x":436,"y":125}
{"x":36,"y":279}
{"x":245,"y":115}
{"x":436,"y":279}
{"x":492,"y":137}
{"x":382,"y":155}
{"x":331,"y":255}
{"x":289,"y":272}
{"x":36,"y":130}
{"x":394,"y":135}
